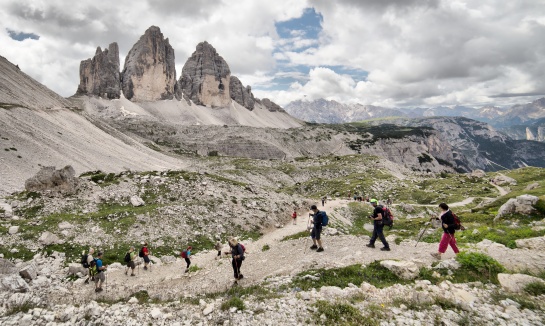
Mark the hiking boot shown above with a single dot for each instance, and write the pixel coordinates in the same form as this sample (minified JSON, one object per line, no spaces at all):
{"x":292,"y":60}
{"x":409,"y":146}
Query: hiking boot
{"x":145,"y":268}
{"x":96,"y":289}
{"x":186,"y":270}
{"x":385,"y":248}
{"x":370,"y":245}
{"x":133,"y":275}
{"x":86,"y":281}
{"x":99,"y":290}
{"x":240,"y":277}
{"x":320,"y":249}
{"x":436,"y":255}
{"x":314,"y":247}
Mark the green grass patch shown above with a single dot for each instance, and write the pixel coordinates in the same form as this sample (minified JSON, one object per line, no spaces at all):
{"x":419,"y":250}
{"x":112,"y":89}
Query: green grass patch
{"x":266,"y":248}
{"x":22,"y":307}
{"x":535,"y":288}
{"x":341,"y":314}
{"x":194,"y":268}
{"x":233,"y":302}
{"x":373,"y":273}
{"x":477,"y":267}
{"x":298,"y":235}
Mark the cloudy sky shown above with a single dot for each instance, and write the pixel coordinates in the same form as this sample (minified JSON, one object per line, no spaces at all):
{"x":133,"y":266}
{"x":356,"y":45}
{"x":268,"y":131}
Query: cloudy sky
{"x":381,"y":52}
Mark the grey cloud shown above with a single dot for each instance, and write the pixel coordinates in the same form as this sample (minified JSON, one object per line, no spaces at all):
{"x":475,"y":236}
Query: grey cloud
{"x":195,"y":9}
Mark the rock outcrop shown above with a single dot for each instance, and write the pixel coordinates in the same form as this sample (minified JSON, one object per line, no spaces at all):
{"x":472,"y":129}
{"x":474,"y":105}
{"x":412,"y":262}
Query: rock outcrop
{"x":523,"y":204}
{"x":516,"y":282}
{"x":100,"y":75}
{"x":240,"y":94}
{"x":149,"y":73}
{"x":205,"y":78}
{"x":271,"y":106}
{"x":48,"y":178}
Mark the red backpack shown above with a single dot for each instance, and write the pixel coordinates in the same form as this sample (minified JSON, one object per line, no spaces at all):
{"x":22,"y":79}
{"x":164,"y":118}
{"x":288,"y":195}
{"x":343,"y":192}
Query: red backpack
{"x":387,"y":216}
{"x":184,"y":254}
{"x":457,"y":222}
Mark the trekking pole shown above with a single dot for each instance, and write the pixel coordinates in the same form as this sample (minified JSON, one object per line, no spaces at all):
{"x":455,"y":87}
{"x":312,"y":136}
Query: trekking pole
{"x":306,"y":242}
{"x":421,"y":234}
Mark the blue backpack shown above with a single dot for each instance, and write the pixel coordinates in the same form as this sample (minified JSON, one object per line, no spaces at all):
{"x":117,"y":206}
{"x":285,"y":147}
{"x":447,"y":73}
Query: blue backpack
{"x":325,"y":219}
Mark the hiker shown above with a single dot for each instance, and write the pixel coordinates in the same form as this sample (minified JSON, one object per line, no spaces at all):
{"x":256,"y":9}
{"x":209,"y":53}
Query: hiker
{"x":238,"y":256}
{"x":218,"y":247}
{"x":449,"y":228}
{"x":130,"y":257}
{"x":185,"y":255}
{"x":323,"y":201}
{"x":89,"y":260}
{"x":145,"y":254}
{"x":317,"y":220}
{"x":389,"y":201}
{"x":100,"y":277}
{"x":378,"y":226}
{"x":294,"y":217}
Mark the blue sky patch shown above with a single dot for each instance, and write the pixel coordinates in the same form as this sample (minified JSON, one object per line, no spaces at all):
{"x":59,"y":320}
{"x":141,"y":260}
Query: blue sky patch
{"x":308,"y":25}
{"x":21,"y":36}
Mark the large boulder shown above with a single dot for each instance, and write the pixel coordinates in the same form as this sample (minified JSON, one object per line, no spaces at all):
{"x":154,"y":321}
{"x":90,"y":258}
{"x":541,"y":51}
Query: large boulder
{"x":28,"y":272}
{"x":13,"y":229}
{"x":149,"y":73}
{"x":240,"y":94}
{"x":48,"y":178}
{"x":14,"y":283}
{"x":100,"y":75}
{"x":6,"y":210}
{"x":137,"y":201}
{"x":523,"y":204}
{"x":205,"y":78}
{"x":531,"y":243}
{"x":516,"y":282}
{"x":48,"y":238}
{"x":406,"y":270}
{"x":74,"y":269}
{"x":477,"y":174}
{"x":7,"y":267}
{"x":503,"y":179}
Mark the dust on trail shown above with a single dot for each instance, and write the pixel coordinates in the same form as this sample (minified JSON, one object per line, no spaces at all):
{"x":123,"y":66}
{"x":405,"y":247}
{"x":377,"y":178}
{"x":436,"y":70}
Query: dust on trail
{"x":283,"y":258}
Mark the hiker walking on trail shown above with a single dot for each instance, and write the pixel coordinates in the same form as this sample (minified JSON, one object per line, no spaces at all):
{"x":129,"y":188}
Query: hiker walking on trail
{"x":323,"y":201}
{"x":100,"y":277}
{"x":237,"y":253}
{"x":315,"y":234}
{"x":144,"y":253}
{"x":389,"y":201}
{"x":88,"y":261}
{"x":294,"y":217}
{"x":448,"y":224}
{"x":130,"y":257}
{"x":185,"y":255}
{"x":218,"y":247}
{"x":378,"y":226}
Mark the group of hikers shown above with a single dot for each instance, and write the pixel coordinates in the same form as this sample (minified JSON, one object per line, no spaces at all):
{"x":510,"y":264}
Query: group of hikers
{"x":97,"y":268}
{"x":381,"y":217}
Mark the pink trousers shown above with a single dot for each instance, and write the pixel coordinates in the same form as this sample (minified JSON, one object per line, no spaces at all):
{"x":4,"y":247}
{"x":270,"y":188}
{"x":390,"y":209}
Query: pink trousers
{"x":448,"y":239}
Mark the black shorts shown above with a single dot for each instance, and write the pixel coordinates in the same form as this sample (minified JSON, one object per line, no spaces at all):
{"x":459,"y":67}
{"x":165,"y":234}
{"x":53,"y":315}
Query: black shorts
{"x":131,"y":264}
{"x":315,"y":234}
{"x":146,"y":259}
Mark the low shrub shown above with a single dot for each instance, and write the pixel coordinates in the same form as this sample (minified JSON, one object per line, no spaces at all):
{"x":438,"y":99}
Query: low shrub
{"x":535,"y":288}
{"x":478,"y":267}
{"x":341,"y":314}
{"x":233,"y":302}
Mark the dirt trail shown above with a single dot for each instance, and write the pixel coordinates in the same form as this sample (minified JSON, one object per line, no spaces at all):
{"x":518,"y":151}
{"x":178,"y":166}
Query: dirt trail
{"x":502,"y":190}
{"x":283,"y":258}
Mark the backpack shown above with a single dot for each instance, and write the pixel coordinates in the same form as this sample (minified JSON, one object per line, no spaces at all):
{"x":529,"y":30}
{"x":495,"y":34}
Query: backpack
{"x":141,"y":253}
{"x":184,"y":254}
{"x":243,"y":248}
{"x":127,"y":257}
{"x":387,"y":216}
{"x":84,"y":262}
{"x":458,"y":224}
{"x":325,"y":219}
{"x":93,"y":268}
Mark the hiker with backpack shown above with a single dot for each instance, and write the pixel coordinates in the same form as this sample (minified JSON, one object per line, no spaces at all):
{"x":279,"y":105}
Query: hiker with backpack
{"x":450,"y":223}
{"x":319,"y":220}
{"x":237,"y":253}
{"x":99,"y":270}
{"x":218,"y":247}
{"x":378,"y":226}
{"x":144,"y":253}
{"x":130,"y":257}
{"x":86,"y":260}
{"x":294,"y":217}
{"x":185,"y":255}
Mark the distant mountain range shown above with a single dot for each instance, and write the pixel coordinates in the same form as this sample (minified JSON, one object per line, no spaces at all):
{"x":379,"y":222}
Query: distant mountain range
{"x":521,"y":121}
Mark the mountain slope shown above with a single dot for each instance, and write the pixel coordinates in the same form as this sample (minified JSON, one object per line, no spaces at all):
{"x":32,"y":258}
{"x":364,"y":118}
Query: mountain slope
{"x":37,"y":128}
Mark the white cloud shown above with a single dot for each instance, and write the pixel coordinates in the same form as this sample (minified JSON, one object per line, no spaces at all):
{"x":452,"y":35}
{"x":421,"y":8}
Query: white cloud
{"x":416,"y":52}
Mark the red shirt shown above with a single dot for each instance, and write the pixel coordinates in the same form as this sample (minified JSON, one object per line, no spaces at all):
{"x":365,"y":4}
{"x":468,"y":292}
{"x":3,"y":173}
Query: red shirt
{"x":145,"y":251}
{"x":294,"y":215}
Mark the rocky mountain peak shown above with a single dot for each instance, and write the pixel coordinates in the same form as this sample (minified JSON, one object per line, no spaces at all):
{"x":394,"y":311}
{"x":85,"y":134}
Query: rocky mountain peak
{"x":99,"y":76}
{"x":240,"y":94}
{"x":205,"y":78}
{"x":149,"y":73}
